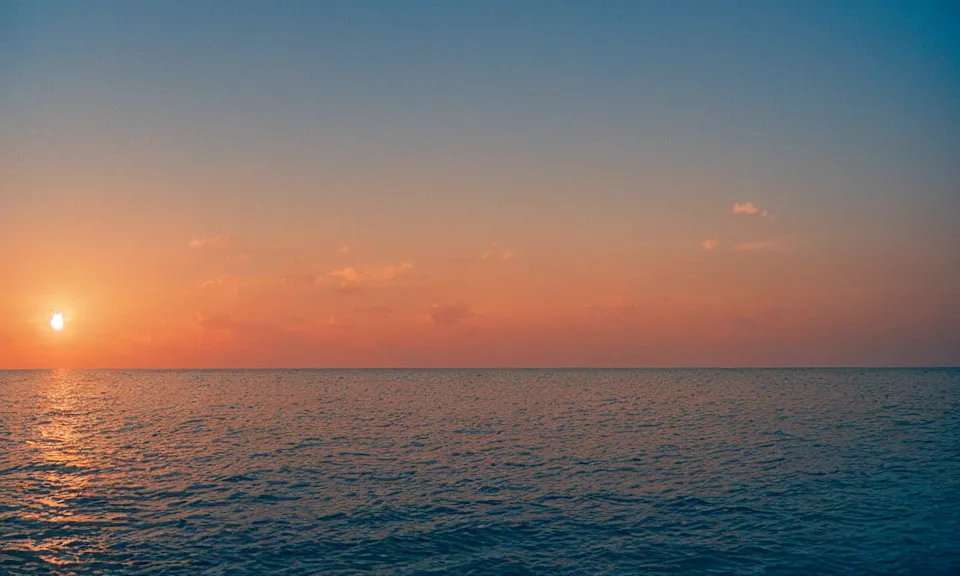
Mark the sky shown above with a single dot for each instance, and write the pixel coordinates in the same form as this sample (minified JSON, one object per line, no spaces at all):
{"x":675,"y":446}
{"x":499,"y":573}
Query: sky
{"x":403,"y":184}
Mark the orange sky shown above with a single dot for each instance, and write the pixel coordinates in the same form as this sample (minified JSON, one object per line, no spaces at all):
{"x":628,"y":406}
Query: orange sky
{"x":743,"y":293}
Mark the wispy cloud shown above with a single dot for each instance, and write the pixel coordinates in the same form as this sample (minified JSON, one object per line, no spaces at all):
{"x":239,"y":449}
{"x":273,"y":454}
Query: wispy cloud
{"x":348,"y":248}
{"x":198,"y":242}
{"x":754,"y":245}
{"x":749,"y":209}
{"x":710,"y":243}
{"x":348,"y":276}
{"x":351,"y":276}
{"x":224,"y":280}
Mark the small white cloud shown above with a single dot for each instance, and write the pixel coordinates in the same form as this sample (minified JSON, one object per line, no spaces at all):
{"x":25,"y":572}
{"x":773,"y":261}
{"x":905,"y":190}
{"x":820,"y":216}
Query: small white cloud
{"x":749,"y":209}
{"x":745,"y":208}
{"x":349,"y":276}
{"x":710,"y":243}
{"x":348,"y":248}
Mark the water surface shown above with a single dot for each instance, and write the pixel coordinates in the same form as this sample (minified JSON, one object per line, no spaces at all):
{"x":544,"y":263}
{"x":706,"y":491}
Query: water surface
{"x":480,"y":472}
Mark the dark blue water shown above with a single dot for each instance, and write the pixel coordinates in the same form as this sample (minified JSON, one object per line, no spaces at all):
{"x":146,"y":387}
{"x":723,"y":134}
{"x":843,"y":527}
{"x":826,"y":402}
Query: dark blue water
{"x":481,"y":472}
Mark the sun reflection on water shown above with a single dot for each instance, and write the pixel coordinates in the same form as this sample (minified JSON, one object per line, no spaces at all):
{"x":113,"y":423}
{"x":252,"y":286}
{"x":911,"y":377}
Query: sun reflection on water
{"x":61,"y":458}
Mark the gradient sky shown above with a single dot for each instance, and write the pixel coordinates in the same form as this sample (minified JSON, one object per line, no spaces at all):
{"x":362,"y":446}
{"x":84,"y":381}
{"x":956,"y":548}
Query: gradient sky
{"x":222,"y":184}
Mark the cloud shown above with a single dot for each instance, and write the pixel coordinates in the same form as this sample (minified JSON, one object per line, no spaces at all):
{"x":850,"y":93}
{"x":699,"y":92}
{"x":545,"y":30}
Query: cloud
{"x":450,"y":315}
{"x":225,"y":280}
{"x":749,"y":209}
{"x":348,"y":276}
{"x":198,"y":242}
{"x":351,"y":276}
{"x":754,"y":246}
{"x":710,"y":243}
{"x":497,"y":252}
{"x":391,"y":272}
{"x":253,"y":282}
{"x":348,"y":248}
{"x":346,"y":289}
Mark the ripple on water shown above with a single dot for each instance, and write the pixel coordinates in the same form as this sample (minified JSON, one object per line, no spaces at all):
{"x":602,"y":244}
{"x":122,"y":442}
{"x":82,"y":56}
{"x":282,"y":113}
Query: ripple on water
{"x":480,"y":472}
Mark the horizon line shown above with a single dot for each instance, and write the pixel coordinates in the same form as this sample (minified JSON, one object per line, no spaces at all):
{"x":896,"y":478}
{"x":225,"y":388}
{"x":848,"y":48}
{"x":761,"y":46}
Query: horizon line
{"x":488,"y":368}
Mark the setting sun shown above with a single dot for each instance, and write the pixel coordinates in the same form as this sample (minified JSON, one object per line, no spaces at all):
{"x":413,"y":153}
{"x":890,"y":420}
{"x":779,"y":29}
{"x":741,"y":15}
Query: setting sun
{"x":56,"y":321}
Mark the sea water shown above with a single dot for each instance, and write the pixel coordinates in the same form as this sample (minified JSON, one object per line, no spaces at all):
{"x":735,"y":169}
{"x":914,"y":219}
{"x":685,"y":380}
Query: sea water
{"x":480,"y":472}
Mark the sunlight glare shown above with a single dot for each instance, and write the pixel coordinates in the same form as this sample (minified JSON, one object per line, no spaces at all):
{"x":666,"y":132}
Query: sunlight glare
{"x":56,"y":321}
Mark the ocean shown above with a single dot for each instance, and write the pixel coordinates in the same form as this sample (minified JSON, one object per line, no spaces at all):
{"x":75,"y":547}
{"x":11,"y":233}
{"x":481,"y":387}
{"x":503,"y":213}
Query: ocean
{"x":755,"y":471}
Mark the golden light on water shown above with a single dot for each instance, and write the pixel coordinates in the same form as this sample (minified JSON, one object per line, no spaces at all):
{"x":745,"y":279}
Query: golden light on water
{"x":56,"y":321}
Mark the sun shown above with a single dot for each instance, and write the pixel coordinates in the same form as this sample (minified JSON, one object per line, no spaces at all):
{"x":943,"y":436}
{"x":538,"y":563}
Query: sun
{"x":56,"y":321}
